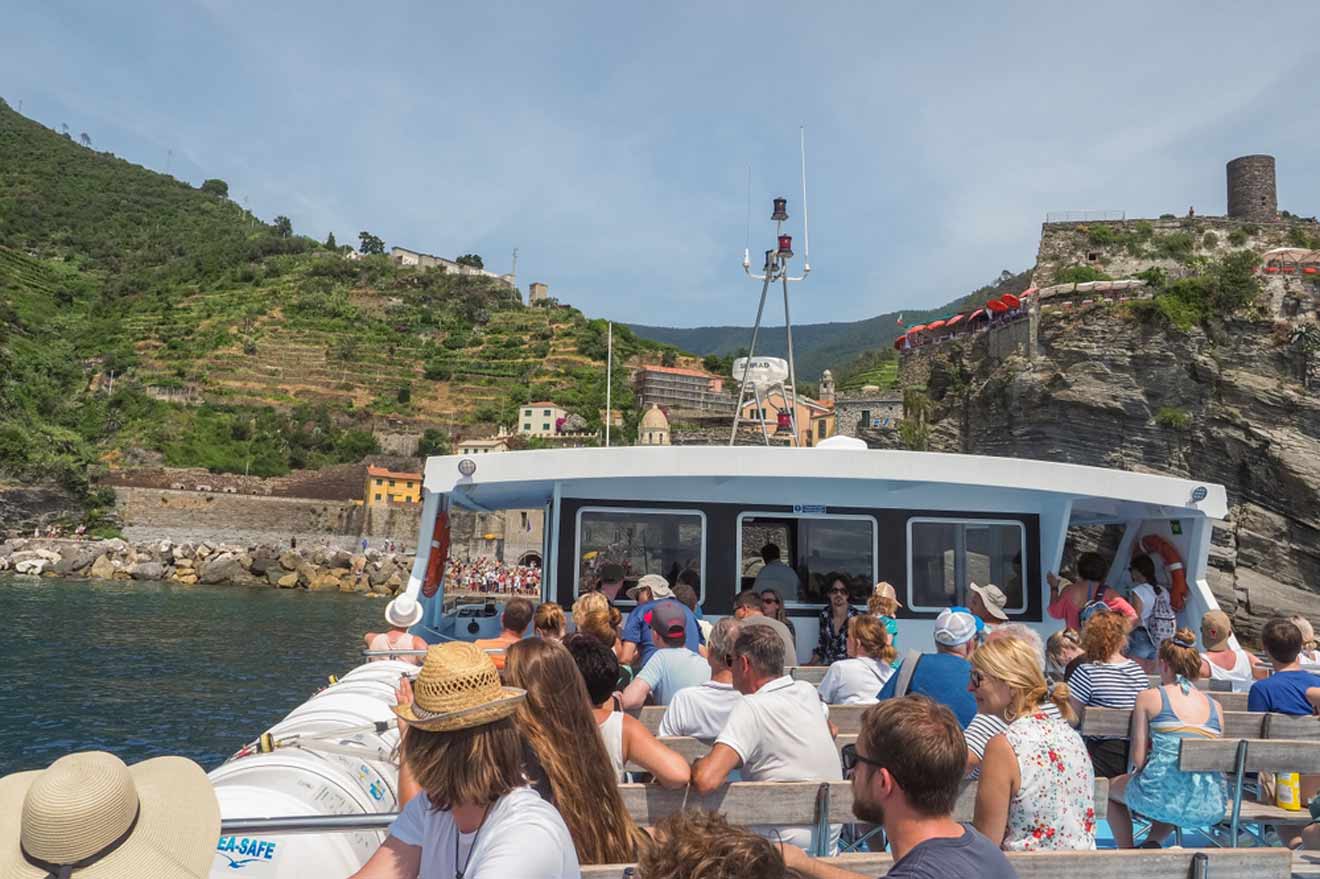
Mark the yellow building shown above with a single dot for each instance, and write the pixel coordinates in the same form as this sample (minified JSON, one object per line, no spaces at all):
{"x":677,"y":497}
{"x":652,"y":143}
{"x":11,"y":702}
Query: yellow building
{"x":391,"y":486}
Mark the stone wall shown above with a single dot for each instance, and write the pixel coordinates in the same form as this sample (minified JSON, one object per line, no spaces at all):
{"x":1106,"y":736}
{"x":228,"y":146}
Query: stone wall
{"x":221,"y":513}
{"x":848,"y":409}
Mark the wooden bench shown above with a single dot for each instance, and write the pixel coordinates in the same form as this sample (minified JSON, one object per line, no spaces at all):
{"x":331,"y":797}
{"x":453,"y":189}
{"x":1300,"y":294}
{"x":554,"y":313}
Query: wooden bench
{"x":848,"y":718}
{"x":812,"y":674}
{"x":691,"y":748}
{"x":1238,"y":757}
{"x":1237,"y":725}
{"x":1246,"y":863}
{"x":817,"y":803}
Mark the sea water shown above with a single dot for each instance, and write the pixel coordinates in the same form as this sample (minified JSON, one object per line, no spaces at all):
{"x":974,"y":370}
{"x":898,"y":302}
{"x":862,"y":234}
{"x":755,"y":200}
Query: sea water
{"x":145,"y":669}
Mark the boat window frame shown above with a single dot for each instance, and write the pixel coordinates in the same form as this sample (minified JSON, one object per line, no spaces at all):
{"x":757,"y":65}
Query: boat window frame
{"x":789,"y":514}
{"x":955,"y":520}
{"x":622,"y":599}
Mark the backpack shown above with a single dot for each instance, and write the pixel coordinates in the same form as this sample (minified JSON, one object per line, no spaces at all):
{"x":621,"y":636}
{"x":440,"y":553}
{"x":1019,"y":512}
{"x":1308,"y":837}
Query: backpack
{"x":1162,"y":622}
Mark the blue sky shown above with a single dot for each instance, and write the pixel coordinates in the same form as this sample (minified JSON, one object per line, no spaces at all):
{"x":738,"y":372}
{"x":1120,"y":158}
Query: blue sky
{"x":610,"y":142}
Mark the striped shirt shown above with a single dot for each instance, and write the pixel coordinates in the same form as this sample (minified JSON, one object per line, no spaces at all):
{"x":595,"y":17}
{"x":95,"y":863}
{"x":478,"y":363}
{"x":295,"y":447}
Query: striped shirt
{"x":985,"y":727}
{"x":1108,"y":685}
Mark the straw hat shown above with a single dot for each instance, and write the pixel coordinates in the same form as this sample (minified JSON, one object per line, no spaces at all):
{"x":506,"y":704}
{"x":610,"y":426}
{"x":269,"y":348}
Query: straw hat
{"x":884,"y":589}
{"x":993,"y":598}
{"x":658,"y":585}
{"x":403,"y":612}
{"x":458,"y":688}
{"x":156,"y":818}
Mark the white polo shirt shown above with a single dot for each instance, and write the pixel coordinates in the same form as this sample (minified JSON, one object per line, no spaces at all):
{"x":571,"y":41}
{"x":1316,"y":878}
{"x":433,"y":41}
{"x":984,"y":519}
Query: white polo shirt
{"x":856,"y":681}
{"x":782,"y":733}
{"x":700,"y":712}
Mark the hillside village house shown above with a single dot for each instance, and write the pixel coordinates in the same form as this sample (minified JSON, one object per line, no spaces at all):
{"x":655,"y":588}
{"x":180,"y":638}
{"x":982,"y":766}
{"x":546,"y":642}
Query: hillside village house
{"x":497,"y":443}
{"x":815,"y":420}
{"x":386,"y":487}
{"x":417,"y":259}
{"x":681,"y":388}
{"x":540,"y":419}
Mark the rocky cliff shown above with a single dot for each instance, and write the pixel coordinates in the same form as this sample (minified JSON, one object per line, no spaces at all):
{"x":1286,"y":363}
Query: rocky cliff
{"x":1229,"y":402}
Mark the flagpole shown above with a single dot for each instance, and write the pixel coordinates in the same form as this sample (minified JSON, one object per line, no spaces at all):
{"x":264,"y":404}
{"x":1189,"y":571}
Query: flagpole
{"x":609,"y":377}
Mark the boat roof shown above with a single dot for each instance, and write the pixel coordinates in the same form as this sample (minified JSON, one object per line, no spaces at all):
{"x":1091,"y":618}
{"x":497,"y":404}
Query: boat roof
{"x":526,"y":479}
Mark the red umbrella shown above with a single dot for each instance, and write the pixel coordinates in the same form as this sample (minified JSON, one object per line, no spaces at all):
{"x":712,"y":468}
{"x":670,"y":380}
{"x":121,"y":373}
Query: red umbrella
{"x":918,"y":328}
{"x":997,"y":306}
{"x":980,"y":312}
{"x":1010,"y":300}
{"x":935,"y":325}
{"x":898,"y":343}
{"x":957,"y":318}
{"x":1310,"y":270}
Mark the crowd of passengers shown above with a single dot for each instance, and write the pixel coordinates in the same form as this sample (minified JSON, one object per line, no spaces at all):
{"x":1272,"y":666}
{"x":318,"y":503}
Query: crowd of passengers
{"x":512,"y":749}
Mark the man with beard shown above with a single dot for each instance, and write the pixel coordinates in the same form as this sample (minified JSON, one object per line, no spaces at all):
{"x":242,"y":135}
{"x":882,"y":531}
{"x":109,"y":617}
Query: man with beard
{"x":906,"y":769}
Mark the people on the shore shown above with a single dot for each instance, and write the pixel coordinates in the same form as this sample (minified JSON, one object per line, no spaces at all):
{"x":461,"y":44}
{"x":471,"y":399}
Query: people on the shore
{"x":987,"y":603}
{"x":749,"y":609}
{"x":772,"y":605}
{"x":402,"y":613}
{"x":672,"y":667}
{"x":702,"y":711}
{"x":549,"y":622}
{"x":944,"y":674}
{"x":476,"y":816}
{"x":779,"y":731}
{"x":626,"y":739}
{"x":696,"y":844}
{"x":89,"y":814}
{"x":568,"y":762}
{"x":515,"y":620}
{"x":1223,"y":662}
{"x":1156,"y":788}
{"x":907,"y":769}
{"x":859,"y":679}
{"x":774,"y":574}
{"x":1037,"y":787}
{"x":638,"y":644}
{"x":1107,"y":679}
{"x":834,"y":616}
{"x":490,"y":576}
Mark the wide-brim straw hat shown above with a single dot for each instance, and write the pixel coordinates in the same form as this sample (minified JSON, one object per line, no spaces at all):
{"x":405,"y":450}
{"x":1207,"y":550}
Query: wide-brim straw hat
{"x":458,"y":688}
{"x":403,"y":612}
{"x":159,"y":818}
{"x":885,"y":589}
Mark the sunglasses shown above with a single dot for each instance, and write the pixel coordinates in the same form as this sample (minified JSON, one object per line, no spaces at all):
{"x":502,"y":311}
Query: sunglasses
{"x":838,"y":592}
{"x":977,"y":679}
{"x":770,"y":601}
{"x":850,"y":758}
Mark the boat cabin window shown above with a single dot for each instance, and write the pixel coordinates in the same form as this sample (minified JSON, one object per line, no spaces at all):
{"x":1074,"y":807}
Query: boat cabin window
{"x":811,"y":553}
{"x":945,"y":555}
{"x":664,"y":542}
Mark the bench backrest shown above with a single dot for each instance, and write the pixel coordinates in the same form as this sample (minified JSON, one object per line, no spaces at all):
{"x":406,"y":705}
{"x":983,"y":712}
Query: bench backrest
{"x":848,"y":718}
{"x":1239,"y":863}
{"x":1237,"y":725}
{"x":691,"y":748}
{"x":1263,"y":755}
{"x":812,"y":674}
{"x":778,"y":802}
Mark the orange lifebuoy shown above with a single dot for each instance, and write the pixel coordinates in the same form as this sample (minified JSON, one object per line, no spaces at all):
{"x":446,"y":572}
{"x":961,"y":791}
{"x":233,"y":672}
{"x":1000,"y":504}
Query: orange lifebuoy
{"x":1173,"y":564}
{"x":435,"y":560}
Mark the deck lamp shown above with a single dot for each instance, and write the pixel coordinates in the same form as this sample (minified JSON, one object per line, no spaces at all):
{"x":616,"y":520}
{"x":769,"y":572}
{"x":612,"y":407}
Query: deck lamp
{"x":785,"y":246}
{"x":781,"y":209}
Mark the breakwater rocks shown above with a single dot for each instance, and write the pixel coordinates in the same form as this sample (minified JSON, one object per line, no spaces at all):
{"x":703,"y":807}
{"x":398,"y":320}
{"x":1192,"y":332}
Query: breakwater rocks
{"x":317,"y":569}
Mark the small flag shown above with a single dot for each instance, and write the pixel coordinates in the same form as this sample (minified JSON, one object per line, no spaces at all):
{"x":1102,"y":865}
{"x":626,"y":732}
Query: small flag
{"x":900,"y":320}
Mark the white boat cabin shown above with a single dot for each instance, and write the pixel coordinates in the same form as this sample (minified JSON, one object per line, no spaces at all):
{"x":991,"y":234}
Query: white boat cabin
{"x":928,"y":523}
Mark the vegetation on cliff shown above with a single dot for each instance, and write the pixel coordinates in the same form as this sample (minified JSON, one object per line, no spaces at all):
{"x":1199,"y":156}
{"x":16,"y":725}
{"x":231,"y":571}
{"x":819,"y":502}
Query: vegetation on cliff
{"x":142,"y":318}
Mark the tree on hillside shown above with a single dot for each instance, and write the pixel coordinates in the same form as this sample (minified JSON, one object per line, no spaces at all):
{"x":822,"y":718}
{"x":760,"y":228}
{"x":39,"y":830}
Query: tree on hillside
{"x":471,"y":259}
{"x":283,"y":226}
{"x":330,"y":242}
{"x":370,"y":243}
{"x":86,"y":139}
{"x":64,"y":129}
{"x":216,"y":187}
{"x":434,"y":442}
{"x":669,"y":358}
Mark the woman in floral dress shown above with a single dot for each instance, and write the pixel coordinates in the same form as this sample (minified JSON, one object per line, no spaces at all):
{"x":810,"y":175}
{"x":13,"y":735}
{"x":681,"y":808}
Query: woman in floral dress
{"x":1037,"y":788}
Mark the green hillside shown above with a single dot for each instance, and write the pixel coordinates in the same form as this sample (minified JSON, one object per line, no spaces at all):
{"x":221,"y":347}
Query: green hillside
{"x":142,"y":318}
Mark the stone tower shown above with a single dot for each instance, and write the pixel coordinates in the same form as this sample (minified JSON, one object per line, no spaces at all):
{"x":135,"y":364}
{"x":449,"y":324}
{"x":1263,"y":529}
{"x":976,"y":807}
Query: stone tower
{"x":1251,"y":192}
{"x":827,"y":388}
{"x":537,"y":292}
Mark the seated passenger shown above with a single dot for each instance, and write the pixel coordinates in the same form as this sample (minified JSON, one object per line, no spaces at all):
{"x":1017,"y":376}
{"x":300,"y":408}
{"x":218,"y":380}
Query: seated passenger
{"x":750,"y":611}
{"x":1221,"y":661}
{"x":944,"y":674}
{"x":515,"y":620}
{"x":704,"y":845}
{"x":464,"y":747}
{"x":1309,"y":655}
{"x":686,"y":592}
{"x":859,"y":679}
{"x":1157,"y":789}
{"x":626,"y":739}
{"x":1107,"y":679}
{"x":549,"y":621}
{"x":402,"y":614}
{"x":774,"y":574}
{"x":1063,"y":653}
{"x":1037,"y":788}
{"x":772,"y":605}
{"x":833,"y":641}
{"x":985,"y":727}
{"x":701,"y":712}
{"x":637,"y":643}
{"x":672,"y":667}
{"x":779,"y":732}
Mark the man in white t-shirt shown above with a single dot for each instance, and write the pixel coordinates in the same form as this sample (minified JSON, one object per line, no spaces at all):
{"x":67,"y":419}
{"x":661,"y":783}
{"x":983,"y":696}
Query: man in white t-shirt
{"x":779,"y":732}
{"x":701,"y":712}
{"x":672,"y":668}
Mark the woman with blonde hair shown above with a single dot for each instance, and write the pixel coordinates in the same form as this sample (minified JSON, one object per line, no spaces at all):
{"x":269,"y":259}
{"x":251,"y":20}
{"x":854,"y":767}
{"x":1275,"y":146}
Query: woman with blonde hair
{"x":883,"y":601}
{"x":1063,"y":653}
{"x":1157,"y":789}
{"x":586,"y":603}
{"x":772,"y":605}
{"x":1107,"y":679}
{"x":1037,"y":788}
{"x":603,"y":625}
{"x":549,"y":621}
{"x":571,"y":768}
{"x":1309,"y":655}
{"x":859,"y":679}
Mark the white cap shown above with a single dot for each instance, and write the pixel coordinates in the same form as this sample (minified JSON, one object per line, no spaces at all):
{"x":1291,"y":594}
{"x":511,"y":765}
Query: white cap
{"x":954,"y":628}
{"x":658,"y":585}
